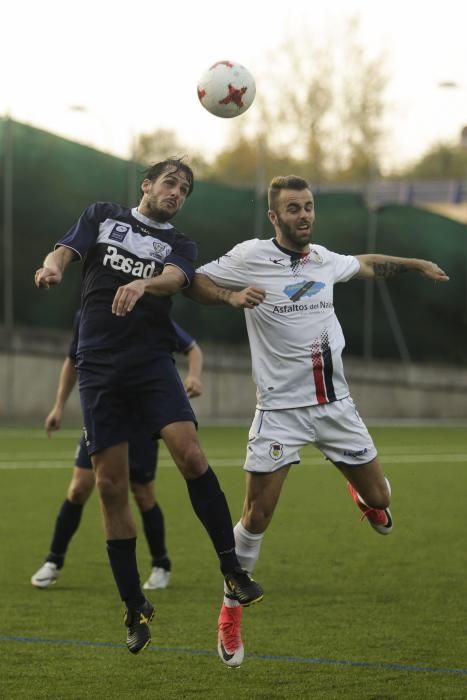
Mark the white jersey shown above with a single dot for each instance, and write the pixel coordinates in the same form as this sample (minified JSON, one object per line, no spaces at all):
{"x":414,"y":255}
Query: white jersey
{"x":296,"y":341}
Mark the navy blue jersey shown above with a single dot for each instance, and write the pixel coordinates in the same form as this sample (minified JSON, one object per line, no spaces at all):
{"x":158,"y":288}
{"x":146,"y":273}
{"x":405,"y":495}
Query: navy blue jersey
{"x":183,"y":340}
{"x":120,"y":245}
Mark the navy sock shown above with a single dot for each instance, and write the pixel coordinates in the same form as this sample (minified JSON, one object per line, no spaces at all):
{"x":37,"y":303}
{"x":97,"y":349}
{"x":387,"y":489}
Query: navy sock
{"x":68,"y":520}
{"x":154,"y":529}
{"x":210,"y":505}
{"x":122,"y":556}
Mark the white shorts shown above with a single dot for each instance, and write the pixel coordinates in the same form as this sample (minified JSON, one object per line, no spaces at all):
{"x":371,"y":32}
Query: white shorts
{"x":276,"y":437}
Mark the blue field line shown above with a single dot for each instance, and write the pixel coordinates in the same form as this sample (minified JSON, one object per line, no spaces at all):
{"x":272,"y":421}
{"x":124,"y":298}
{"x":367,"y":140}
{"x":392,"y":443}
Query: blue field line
{"x":382,"y":665}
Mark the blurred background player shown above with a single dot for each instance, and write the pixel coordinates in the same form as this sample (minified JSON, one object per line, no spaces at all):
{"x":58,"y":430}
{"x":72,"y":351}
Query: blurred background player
{"x":143,"y":452}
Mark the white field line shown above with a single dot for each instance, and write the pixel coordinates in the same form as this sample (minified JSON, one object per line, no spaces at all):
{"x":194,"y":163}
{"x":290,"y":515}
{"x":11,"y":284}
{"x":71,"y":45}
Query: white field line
{"x":28,"y":463}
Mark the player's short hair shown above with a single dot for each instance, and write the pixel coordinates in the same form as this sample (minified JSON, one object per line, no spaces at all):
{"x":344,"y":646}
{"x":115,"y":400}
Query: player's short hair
{"x":174,"y":164}
{"x":285,"y":182}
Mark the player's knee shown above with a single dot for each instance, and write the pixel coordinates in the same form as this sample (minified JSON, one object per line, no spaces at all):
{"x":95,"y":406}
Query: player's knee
{"x":192,"y":462}
{"x":257,"y":516}
{"x":79,"y":493}
{"x":81,"y":486}
{"x":111,"y":489}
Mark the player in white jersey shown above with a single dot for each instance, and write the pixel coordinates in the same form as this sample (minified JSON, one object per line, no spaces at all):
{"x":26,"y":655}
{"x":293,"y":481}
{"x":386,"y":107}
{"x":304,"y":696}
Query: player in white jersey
{"x":285,"y":284}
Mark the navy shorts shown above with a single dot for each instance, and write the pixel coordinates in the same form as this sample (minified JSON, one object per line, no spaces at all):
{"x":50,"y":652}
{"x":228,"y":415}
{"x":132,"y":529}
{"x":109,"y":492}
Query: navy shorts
{"x":142,"y":455}
{"x":119,"y":397}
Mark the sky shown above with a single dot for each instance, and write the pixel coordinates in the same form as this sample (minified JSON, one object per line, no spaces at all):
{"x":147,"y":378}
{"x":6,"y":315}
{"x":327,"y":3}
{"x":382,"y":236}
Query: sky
{"x":133,"y":67}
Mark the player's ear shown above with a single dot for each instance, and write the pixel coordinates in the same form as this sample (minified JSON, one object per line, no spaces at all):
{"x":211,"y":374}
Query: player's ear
{"x":272,"y":216}
{"x":146,"y":184}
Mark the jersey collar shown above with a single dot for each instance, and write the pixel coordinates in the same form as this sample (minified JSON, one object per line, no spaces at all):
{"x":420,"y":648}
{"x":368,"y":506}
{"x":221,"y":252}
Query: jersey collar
{"x":293,"y":253}
{"x":149,"y":222}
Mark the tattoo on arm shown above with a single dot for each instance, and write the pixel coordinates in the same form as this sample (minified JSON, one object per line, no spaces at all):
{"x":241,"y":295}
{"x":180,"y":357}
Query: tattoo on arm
{"x":388,"y":269}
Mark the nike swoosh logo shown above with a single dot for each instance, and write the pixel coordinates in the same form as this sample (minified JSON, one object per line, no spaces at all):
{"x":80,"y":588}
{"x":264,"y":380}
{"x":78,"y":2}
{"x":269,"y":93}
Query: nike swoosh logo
{"x":225,"y":655}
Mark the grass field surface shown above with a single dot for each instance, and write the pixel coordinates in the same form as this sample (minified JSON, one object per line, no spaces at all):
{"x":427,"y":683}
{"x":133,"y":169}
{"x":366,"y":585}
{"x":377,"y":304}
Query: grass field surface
{"x":346,"y":613}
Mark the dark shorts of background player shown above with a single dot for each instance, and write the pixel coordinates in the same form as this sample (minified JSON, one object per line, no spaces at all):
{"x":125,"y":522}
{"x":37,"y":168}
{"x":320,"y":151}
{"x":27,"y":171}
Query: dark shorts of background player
{"x":142,"y":455}
{"x":120,"y":396}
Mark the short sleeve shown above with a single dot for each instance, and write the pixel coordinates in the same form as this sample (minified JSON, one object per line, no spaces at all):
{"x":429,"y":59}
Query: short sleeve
{"x":230,"y":270}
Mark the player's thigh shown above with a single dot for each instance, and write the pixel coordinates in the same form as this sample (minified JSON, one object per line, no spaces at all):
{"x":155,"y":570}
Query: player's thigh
{"x":261,"y":497}
{"x":341,"y":435}
{"x":111,"y":465}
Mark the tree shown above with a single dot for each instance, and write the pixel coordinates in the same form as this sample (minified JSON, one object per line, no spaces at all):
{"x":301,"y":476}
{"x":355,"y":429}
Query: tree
{"x":319,"y":113}
{"x":164,"y":143}
{"x":361,"y":110}
{"x":442,"y":161}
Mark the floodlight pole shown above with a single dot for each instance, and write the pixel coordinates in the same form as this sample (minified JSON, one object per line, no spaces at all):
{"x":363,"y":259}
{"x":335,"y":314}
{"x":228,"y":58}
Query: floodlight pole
{"x":7,"y":225}
{"x":454,"y":85}
{"x":131,"y":173}
{"x":369,"y":299}
{"x":259,"y":189}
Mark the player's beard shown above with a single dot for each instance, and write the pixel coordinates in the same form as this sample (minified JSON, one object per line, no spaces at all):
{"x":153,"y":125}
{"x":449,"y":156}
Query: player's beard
{"x":158,"y":214}
{"x":292,"y":237}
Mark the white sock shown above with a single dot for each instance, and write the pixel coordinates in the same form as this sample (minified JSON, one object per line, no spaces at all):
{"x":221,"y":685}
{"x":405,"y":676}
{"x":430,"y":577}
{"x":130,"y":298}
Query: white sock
{"x":247,"y":547}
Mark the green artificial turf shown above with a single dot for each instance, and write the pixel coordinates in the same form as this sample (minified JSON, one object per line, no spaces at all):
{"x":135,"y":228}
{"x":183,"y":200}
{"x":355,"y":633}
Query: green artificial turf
{"x":346,"y":613}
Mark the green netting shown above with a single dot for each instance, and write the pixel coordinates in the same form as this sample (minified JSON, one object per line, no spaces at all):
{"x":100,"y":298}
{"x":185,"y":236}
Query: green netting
{"x":55,"y":179}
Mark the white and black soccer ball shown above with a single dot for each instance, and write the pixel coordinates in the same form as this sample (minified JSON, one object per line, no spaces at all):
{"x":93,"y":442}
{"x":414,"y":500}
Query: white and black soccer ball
{"x":227,"y":89}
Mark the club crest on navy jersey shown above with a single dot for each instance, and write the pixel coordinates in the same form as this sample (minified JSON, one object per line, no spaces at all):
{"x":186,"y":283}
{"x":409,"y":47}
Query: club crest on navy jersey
{"x":161,"y":250}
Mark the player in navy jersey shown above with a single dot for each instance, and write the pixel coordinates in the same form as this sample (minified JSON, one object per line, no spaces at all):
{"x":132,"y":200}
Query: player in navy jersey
{"x":134,"y":261}
{"x":286,"y":288}
{"x":143,"y":461}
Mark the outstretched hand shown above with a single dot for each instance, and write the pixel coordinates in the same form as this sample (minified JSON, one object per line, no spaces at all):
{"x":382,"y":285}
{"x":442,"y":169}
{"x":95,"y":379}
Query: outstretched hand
{"x":433,"y":272}
{"x":247,"y":298}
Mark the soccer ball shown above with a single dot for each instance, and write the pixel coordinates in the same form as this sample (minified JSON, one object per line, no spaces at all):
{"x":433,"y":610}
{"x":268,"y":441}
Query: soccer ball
{"x":226,"y":89}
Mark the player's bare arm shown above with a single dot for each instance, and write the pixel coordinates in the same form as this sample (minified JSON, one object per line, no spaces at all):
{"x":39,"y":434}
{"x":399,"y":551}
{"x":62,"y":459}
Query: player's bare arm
{"x":205,"y":291}
{"x":167,"y":283}
{"x":193,"y":383}
{"x":66,"y":383}
{"x":374,"y":265}
{"x":55,"y":263}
